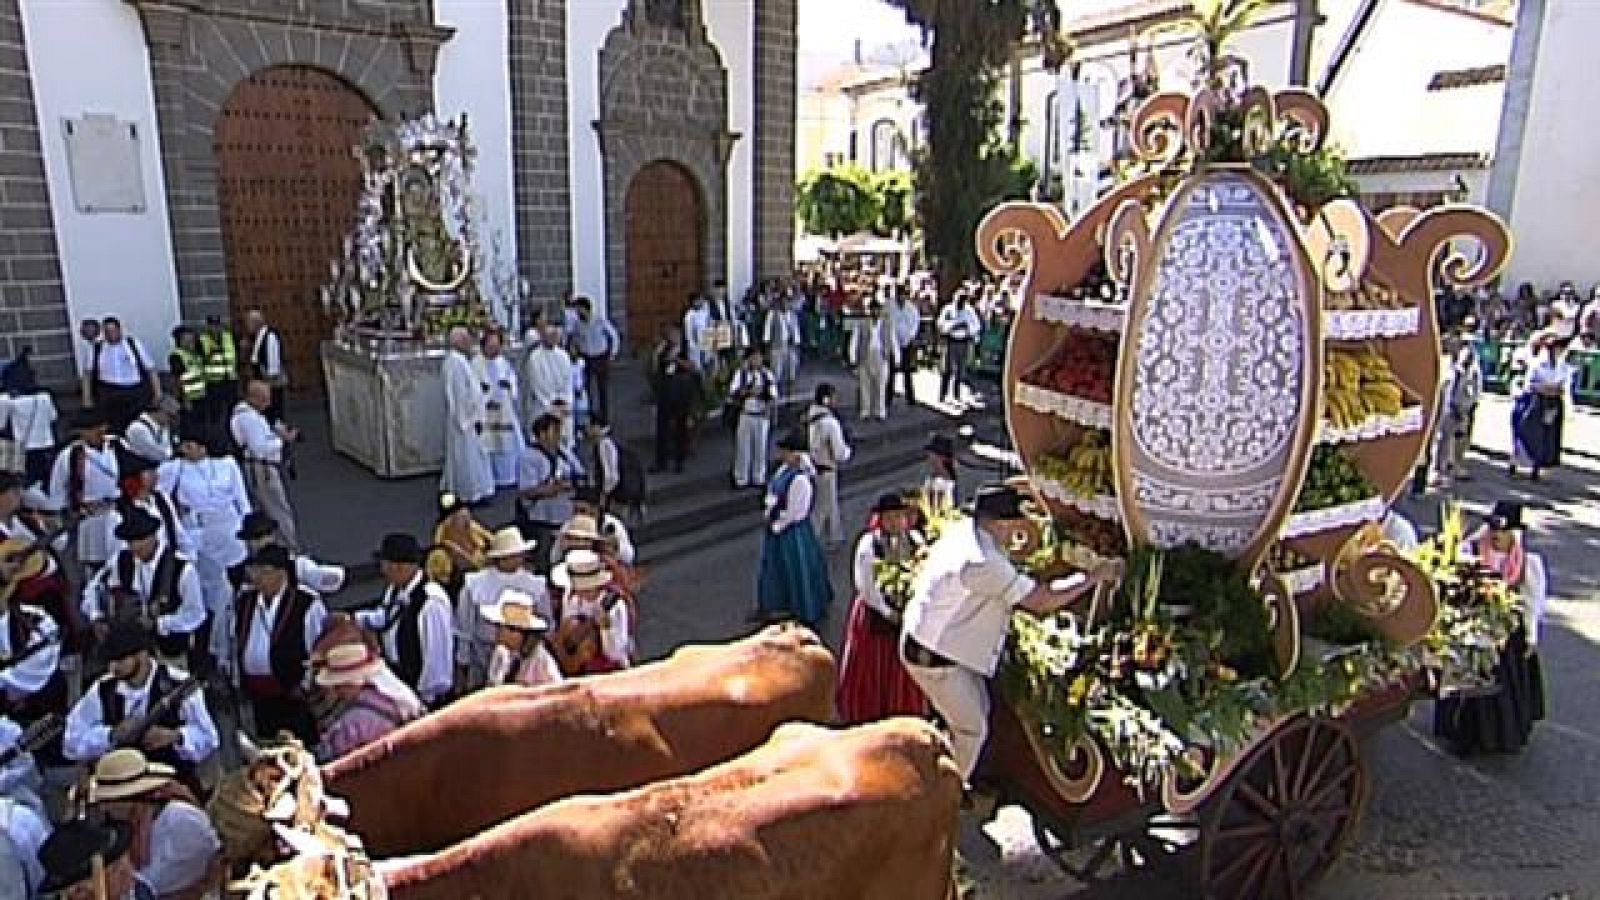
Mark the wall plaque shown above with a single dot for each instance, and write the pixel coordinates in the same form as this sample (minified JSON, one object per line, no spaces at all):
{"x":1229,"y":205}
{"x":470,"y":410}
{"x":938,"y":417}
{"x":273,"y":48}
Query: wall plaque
{"x":103,"y":163}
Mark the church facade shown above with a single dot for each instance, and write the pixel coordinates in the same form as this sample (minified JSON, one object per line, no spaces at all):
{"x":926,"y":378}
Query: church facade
{"x":167,"y":160}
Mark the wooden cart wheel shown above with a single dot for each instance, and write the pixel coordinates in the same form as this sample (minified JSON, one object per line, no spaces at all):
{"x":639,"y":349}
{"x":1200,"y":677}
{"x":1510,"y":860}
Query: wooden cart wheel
{"x":1284,"y":816}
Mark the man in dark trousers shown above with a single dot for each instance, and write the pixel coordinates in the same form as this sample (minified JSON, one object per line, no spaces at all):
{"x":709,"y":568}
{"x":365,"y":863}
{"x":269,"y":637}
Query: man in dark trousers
{"x":680,"y":395}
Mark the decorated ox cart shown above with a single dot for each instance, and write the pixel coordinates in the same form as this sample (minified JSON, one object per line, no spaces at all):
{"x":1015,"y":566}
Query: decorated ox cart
{"x":1223,"y":374}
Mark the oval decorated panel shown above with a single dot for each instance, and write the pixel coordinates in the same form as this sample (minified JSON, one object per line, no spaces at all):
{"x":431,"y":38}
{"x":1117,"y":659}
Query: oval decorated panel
{"x":1220,"y":363}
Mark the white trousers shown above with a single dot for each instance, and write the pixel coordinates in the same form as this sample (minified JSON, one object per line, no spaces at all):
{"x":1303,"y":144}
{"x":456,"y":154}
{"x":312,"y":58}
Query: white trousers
{"x":874,"y":378}
{"x":785,"y":365}
{"x":961,"y":697}
{"x":750,"y":451}
{"x":825,"y":518}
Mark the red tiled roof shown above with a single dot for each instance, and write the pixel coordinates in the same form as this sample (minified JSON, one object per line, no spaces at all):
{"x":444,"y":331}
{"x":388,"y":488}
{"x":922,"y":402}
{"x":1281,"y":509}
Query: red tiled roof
{"x":1450,"y":79}
{"x":1426,"y":162}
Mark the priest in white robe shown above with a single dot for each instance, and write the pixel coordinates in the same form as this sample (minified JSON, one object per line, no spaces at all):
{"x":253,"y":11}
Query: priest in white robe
{"x":502,"y":431}
{"x":549,"y":370}
{"x":467,"y":473}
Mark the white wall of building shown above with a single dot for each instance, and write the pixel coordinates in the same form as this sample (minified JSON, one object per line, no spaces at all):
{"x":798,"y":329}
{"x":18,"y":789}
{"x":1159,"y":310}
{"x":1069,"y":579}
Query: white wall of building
{"x":731,"y":26}
{"x":588,"y":23}
{"x":474,"y":77}
{"x":1555,"y":209}
{"x":91,"y":58}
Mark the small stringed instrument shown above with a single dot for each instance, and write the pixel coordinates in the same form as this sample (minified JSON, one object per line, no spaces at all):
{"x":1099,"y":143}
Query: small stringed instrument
{"x":576,"y":643}
{"x":131,"y":732}
{"x":33,"y":738}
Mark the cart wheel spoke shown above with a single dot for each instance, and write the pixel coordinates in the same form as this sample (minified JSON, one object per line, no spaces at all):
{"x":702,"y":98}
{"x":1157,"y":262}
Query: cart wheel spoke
{"x":1291,"y":880}
{"x":1303,"y":768}
{"x":1241,"y":832}
{"x":1264,"y":808}
{"x":1322,"y":793}
{"x":1249,"y":854}
{"x":1280,"y":776}
{"x":1260,"y":874}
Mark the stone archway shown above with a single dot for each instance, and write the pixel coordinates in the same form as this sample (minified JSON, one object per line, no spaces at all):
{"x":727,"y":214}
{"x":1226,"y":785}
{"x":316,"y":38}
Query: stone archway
{"x":287,"y":185}
{"x":665,"y":251}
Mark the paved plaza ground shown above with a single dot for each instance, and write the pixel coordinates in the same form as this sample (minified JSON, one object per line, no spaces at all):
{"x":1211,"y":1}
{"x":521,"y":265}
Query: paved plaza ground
{"x":1435,"y":827}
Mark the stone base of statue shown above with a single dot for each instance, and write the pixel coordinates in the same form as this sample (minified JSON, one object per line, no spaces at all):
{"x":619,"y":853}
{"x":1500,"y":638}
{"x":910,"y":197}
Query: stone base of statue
{"x":386,"y":406}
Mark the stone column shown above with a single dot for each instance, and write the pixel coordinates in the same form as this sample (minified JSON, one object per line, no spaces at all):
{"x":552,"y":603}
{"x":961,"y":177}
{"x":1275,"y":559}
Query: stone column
{"x":33,"y":300}
{"x":543,"y":193}
{"x":1514,"y":109}
{"x":776,"y":25}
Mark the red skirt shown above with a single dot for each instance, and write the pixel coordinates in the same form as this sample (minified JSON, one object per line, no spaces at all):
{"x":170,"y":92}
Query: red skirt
{"x":873,"y":683}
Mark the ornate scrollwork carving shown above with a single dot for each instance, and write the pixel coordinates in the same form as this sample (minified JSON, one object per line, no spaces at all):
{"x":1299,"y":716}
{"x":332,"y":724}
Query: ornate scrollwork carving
{"x":1157,"y":131}
{"x":1011,"y":236}
{"x":1304,"y":118}
{"x":1169,"y":122}
{"x":1438,"y":232}
{"x":1388,"y":590}
{"x":1080,"y":778}
{"x":1182,"y":795}
{"x":1283,"y":617}
{"x":1127,"y":242}
{"x":1395,"y":219}
{"x":1339,"y":240}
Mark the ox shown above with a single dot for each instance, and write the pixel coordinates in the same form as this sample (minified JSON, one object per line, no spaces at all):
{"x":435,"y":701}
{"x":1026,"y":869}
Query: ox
{"x":815,"y":814}
{"x":504,"y":751}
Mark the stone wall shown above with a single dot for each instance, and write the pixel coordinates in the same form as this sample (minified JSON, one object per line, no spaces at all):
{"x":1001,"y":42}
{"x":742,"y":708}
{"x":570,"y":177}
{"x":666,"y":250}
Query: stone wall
{"x":33,"y":304}
{"x":776,"y":26}
{"x":663,"y":96}
{"x":200,"y":50}
{"x":538,"y":65}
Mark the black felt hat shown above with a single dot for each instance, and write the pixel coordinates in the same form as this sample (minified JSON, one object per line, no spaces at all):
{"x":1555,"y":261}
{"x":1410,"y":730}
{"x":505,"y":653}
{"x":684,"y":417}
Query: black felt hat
{"x":257,"y":525}
{"x":89,"y":418}
{"x":68,"y":855}
{"x":130,"y":464}
{"x":794,"y":442}
{"x":136,"y":525}
{"x":1506,"y":516}
{"x":998,"y":501}
{"x":124,"y":640}
{"x":400,"y":548}
{"x":888,"y":503}
{"x":274,"y":556}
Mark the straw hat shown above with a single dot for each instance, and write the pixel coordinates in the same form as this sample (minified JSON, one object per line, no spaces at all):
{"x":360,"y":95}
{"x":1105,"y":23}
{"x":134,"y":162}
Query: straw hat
{"x":508,"y":542}
{"x":126,"y":773}
{"x":348,"y":664}
{"x":582,"y":528}
{"x":514,"y":610}
{"x":582,"y":571}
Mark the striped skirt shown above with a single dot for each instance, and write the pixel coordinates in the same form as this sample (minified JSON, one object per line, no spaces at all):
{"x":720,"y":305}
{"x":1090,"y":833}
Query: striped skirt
{"x":873,"y":683}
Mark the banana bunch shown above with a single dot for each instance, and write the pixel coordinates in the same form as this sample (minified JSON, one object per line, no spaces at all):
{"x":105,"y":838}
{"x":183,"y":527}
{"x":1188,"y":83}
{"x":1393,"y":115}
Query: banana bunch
{"x":1086,"y":468}
{"x":1358,"y":384}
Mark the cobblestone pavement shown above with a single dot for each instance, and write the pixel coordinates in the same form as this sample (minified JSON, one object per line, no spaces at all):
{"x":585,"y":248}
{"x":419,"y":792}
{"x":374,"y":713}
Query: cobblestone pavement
{"x":1436,"y":827}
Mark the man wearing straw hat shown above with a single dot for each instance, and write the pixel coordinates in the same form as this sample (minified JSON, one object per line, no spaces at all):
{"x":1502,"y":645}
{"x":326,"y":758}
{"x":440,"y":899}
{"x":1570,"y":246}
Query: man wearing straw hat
{"x":87,"y":860}
{"x":171,"y":842}
{"x":591,"y":605}
{"x":369,"y":701}
{"x":507,"y":571}
{"x":277,"y":624}
{"x":520,"y":655}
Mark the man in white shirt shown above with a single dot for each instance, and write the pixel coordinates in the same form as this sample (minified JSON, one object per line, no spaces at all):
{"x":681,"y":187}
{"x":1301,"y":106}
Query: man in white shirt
{"x":959,"y":326}
{"x":960,"y":612}
{"x":31,"y":683}
{"x":604,"y":457}
{"x":875,"y":352}
{"x":150,"y":434}
{"x":260,"y":530}
{"x":277,"y":624}
{"x":174,"y":837}
{"x":507,"y":571}
{"x":825,"y":438}
{"x":753,"y":391}
{"x":150,"y":583}
{"x":265,"y":362}
{"x":596,"y":341}
{"x":122,"y":378}
{"x":782,"y":335}
{"x":907,"y":319}
{"x":212,"y":502}
{"x":83,"y":353}
{"x":549,"y":375}
{"x":261,"y":445}
{"x":83,"y":482}
{"x":413,"y":621}
{"x":695,"y":322}
{"x":547,"y":477}
{"x":113,"y":711}
{"x":467,"y":473}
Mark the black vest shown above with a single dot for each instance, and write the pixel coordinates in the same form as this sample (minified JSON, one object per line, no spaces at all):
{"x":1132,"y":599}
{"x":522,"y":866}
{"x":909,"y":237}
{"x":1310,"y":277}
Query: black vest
{"x":164,"y":598}
{"x":162,"y":683}
{"x":404,"y":619}
{"x":287,"y":652}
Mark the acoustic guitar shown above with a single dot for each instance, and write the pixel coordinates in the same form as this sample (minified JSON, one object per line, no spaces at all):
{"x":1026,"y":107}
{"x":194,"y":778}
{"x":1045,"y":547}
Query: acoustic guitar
{"x":34,"y":737}
{"x":576,"y":642}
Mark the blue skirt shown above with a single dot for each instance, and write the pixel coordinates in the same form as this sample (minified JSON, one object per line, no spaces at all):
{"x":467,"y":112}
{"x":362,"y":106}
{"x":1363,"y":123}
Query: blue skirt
{"x":793,"y":578}
{"x":1536,"y":427}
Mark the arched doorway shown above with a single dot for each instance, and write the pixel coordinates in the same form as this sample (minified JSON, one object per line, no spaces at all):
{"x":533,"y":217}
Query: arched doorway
{"x":287,"y":185}
{"x":665,"y":249}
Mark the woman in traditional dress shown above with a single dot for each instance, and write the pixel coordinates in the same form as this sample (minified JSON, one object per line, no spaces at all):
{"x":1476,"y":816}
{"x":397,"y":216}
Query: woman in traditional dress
{"x":873,"y":683}
{"x":460,"y":545}
{"x":939,"y":487}
{"x":595,"y":632}
{"x":368,"y":700}
{"x":1537,"y":414}
{"x":520,"y":655}
{"x":502,"y":432}
{"x":793,"y":579}
{"x":208,"y":489}
{"x":1500,"y":720}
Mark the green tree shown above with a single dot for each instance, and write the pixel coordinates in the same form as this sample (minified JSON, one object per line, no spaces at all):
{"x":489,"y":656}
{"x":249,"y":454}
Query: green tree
{"x":896,"y":203}
{"x":838,"y":201}
{"x":960,"y":173}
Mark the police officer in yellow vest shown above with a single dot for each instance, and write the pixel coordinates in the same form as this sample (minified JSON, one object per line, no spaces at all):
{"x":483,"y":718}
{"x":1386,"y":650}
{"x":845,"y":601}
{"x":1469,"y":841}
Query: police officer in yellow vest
{"x":220,"y":363}
{"x":188,"y":378}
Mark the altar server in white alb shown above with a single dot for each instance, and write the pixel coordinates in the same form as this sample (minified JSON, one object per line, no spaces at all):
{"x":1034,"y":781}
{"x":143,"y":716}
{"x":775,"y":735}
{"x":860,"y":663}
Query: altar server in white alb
{"x":466,"y":463}
{"x":960,"y":612}
{"x":261,"y":450}
{"x":413,"y":620}
{"x":502,"y":427}
{"x":875,"y":352}
{"x":208,"y":489}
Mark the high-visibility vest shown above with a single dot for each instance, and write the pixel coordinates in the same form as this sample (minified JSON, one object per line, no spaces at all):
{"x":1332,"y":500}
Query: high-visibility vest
{"x":192,"y":380}
{"x":220,"y":362}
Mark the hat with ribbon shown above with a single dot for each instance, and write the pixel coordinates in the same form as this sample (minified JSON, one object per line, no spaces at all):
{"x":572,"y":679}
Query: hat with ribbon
{"x":515,"y":609}
{"x":508,"y":542}
{"x":891,"y":503}
{"x":582,"y":528}
{"x":582,"y":570}
{"x":999,"y":501}
{"x":272,"y":556}
{"x":450,"y":504}
{"x":345,"y":664}
{"x":124,"y":640}
{"x":126,"y":773}
{"x":1506,"y":516}
{"x":89,"y":418}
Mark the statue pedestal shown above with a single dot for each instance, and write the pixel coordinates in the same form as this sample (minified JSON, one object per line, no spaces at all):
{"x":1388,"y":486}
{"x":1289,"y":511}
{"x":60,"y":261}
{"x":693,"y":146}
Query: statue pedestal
{"x":386,"y":407}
